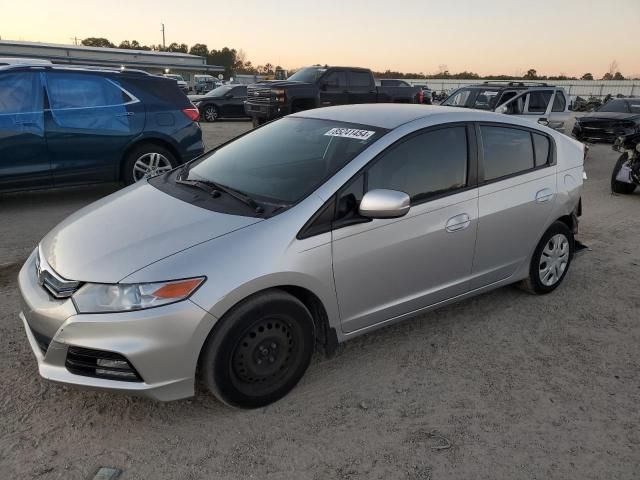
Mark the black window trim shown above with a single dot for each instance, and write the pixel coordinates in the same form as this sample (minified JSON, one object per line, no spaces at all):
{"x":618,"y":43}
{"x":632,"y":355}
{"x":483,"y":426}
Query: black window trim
{"x":473,"y":152}
{"x":551,"y":161}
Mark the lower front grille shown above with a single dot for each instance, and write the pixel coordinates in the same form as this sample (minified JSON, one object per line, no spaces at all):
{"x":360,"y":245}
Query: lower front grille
{"x":100,"y":364}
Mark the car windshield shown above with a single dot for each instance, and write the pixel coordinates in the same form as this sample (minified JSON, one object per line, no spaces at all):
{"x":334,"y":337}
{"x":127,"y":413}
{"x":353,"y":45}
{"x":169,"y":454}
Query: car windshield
{"x":309,"y":74}
{"x":620,"y":106}
{"x":219,"y":92}
{"x":286,"y":160}
{"x":484,"y":99}
{"x":458,"y":98}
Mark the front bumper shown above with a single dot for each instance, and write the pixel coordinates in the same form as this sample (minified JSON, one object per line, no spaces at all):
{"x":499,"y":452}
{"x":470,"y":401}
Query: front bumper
{"x":162,"y":344}
{"x":266,"y":111}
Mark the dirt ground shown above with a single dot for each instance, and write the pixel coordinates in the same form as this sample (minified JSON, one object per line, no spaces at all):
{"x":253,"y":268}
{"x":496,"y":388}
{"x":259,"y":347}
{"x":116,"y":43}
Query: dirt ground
{"x":502,"y":386}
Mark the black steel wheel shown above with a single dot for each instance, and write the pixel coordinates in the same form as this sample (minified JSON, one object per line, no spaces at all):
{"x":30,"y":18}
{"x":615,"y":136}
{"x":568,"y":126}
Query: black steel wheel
{"x":259,"y":351}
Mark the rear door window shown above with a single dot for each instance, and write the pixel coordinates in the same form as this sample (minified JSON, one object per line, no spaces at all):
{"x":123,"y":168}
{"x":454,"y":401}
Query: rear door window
{"x":506,"y":151}
{"x":359,"y":80}
{"x":425,"y":165}
{"x":88,"y":102}
{"x":75,"y":90}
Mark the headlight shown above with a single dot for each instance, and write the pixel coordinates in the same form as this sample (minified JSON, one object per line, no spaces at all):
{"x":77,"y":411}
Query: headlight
{"x":99,"y":297}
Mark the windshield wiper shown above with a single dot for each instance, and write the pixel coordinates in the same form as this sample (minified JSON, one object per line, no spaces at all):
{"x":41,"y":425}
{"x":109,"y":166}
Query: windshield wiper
{"x":214,"y":189}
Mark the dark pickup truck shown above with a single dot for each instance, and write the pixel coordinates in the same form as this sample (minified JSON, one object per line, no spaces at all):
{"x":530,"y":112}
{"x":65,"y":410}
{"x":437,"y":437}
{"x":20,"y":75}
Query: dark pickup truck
{"x":314,"y":87}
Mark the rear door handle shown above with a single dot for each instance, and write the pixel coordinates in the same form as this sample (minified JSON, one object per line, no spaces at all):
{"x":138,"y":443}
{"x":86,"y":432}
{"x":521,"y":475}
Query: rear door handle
{"x":544,"y":195}
{"x":459,"y":222}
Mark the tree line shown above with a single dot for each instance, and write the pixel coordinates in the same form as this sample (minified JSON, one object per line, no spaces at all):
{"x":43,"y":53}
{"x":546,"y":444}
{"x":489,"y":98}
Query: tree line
{"x":235,"y":62}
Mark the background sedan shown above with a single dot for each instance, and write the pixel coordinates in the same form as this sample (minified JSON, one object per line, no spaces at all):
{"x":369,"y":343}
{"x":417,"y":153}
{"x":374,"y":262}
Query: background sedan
{"x":223,"y":102}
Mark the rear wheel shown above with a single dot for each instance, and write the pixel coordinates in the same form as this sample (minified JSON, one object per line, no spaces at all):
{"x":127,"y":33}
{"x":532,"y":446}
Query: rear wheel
{"x":145,"y":161}
{"x":617,"y":186}
{"x":210,"y":113}
{"x":551,"y":259}
{"x":260,"y":350}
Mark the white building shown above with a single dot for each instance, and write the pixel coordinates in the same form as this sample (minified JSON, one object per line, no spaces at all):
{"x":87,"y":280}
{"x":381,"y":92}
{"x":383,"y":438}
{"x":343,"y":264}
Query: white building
{"x":150,"y":61}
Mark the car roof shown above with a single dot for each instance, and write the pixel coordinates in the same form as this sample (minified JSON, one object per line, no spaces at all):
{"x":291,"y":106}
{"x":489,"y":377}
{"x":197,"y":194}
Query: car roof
{"x":74,"y":68}
{"x":392,"y":115}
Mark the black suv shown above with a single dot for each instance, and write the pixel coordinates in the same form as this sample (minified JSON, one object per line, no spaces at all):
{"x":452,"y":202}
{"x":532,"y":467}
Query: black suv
{"x":63,"y":125}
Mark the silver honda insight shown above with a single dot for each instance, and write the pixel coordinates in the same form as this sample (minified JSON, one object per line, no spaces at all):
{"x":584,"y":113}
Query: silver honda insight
{"x":301,"y":234}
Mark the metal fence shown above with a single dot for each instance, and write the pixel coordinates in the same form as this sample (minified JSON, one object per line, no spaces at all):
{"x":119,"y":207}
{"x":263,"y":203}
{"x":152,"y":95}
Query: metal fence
{"x":574,"y":88}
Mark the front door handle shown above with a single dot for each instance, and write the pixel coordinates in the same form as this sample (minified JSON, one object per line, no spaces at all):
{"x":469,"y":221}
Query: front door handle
{"x":544,"y":195}
{"x":459,"y":222}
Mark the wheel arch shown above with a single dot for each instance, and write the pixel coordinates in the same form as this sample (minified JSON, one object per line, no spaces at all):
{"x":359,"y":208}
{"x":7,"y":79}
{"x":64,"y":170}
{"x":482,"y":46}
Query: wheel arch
{"x":325,"y":334}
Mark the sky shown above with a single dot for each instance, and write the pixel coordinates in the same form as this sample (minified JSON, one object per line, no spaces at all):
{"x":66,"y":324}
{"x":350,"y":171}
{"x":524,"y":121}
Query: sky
{"x":554,"y":37}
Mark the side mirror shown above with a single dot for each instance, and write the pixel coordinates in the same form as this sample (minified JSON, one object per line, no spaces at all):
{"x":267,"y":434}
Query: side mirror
{"x":323,"y":86}
{"x":384,"y":204}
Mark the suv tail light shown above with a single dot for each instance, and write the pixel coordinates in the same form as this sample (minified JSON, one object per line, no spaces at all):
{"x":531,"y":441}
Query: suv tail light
{"x":421,"y":96}
{"x":192,"y":113}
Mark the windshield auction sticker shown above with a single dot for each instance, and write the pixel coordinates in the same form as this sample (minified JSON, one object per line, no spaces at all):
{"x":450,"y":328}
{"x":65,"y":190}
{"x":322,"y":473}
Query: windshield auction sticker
{"x":350,"y":133}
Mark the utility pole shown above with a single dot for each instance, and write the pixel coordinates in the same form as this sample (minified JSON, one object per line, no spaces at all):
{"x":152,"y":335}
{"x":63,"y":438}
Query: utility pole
{"x":163,"y":44}
{"x":75,"y":40}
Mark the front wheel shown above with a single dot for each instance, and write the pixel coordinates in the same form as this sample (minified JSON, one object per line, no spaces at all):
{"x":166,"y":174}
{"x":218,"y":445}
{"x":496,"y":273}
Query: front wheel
{"x":260,"y":350}
{"x":617,"y":186}
{"x":551,"y":259}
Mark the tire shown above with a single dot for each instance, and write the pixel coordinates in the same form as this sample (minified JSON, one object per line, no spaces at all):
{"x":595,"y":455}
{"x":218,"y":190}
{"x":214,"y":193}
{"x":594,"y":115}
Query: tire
{"x":256,"y":122}
{"x":153,"y":158}
{"x":557,"y":245}
{"x":210,"y":113}
{"x":259,"y":351}
{"x":621,"y":187}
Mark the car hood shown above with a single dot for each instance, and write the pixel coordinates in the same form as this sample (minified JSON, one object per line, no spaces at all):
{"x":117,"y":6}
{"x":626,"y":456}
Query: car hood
{"x":199,"y":98}
{"x":609,"y":116}
{"x":124,"y":232}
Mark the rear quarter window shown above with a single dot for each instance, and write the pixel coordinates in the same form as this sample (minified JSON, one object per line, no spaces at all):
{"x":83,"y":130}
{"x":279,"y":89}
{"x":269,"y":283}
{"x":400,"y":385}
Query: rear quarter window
{"x":160,"y":90}
{"x":559,"y":103}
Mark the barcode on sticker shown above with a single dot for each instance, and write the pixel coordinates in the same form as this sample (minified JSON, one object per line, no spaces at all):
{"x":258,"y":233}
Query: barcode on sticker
{"x":350,"y":133}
